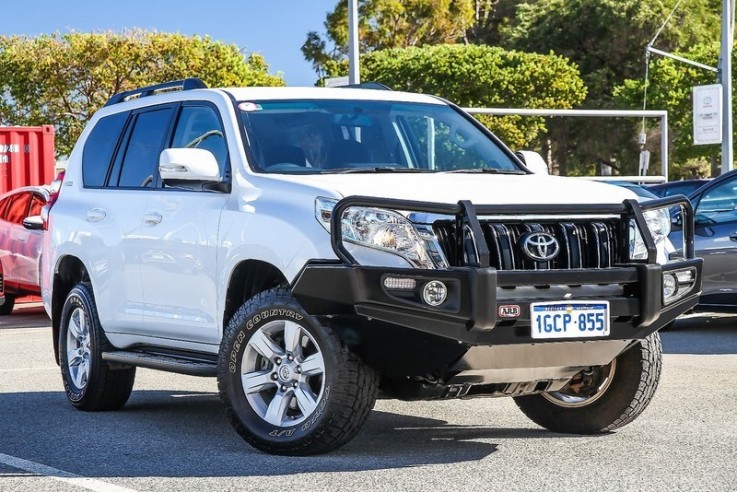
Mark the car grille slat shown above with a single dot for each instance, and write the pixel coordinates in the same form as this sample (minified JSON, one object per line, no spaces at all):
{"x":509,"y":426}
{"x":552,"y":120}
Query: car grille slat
{"x":583,"y":243}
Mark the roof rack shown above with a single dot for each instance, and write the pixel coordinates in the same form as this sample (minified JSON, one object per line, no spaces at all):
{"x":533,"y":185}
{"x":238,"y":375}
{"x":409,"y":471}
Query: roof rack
{"x":171,"y":86}
{"x":367,"y":85}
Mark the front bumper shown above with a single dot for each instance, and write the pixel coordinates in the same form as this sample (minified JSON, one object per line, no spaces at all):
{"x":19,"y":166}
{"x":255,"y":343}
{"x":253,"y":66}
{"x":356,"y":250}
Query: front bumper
{"x":486,"y":306}
{"x":471,"y":313}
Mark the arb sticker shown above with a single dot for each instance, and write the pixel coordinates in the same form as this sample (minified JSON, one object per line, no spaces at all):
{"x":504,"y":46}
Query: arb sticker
{"x":509,"y":311}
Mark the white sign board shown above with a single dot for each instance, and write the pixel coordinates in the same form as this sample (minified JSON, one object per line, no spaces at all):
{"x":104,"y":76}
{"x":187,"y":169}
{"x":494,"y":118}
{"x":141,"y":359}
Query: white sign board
{"x":707,"y":114}
{"x":336,"y":81}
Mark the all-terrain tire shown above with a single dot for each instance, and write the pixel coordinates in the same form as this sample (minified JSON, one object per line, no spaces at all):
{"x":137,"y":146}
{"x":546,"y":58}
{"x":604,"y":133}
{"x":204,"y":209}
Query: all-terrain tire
{"x":270,"y":401}
{"x":89,"y":382}
{"x":633,"y":383}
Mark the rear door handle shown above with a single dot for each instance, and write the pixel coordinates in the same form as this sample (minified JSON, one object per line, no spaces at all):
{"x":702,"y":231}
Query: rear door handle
{"x":152,"y":218}
{"x":733,"y":236}
{"x":96,"y":215}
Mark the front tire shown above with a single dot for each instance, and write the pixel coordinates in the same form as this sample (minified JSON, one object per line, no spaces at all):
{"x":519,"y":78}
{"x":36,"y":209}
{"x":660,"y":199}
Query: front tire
{"x":289,"y":385}
{"x":7,"y":307}
{"x":89,"y":382}
{"x":602,"y":398}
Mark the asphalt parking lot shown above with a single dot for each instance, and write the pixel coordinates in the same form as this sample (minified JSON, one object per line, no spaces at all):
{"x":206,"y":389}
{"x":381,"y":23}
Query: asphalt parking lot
{"x":173,"y":435}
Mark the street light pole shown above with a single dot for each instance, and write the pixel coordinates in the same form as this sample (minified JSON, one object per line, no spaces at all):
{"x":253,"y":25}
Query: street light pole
{"x":354,"y":77}
{"x":725,"y":78}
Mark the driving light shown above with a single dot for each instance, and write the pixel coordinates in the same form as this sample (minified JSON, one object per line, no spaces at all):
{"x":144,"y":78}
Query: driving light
{"x":434,"y":293}
{"x":670,"y":285}
{"x":678,"y":283}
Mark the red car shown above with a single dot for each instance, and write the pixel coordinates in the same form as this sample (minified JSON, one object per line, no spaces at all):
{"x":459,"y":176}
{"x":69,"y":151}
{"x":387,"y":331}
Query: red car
{"x":21,"y":231}
{"x":2,"y":289}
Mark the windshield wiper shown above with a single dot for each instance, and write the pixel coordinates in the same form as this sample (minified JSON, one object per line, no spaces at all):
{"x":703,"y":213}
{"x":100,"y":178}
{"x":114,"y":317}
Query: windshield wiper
{"x":381,"y":169}
{"x":486,"y":171}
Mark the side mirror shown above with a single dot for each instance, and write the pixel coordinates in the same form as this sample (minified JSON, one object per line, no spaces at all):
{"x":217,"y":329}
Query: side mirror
{"x":533,"y":161}
{"x":33,"y":223}
{"x":189,"y":165}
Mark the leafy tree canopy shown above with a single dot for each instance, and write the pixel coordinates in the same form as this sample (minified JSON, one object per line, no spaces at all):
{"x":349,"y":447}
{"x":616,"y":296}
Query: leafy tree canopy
{"x":65,"y":78}
{"x":482,"y":76}
{"x":607,"y":38}
{"x":386,"y":24}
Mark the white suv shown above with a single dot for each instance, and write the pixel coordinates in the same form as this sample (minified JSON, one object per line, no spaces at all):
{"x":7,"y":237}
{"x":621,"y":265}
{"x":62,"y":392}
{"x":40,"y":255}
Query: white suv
{"x":316,"y":248}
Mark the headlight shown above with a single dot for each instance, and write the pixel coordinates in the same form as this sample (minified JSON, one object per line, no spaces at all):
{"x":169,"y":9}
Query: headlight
{"x":380,"y":229}
{"x":658,"y":223}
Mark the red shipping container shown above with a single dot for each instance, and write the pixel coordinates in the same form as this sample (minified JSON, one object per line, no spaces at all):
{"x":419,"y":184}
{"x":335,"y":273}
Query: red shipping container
{"x":26,"y":156}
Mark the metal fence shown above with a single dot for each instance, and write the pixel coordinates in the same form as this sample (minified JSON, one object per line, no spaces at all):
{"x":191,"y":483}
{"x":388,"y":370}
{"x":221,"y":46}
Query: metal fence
{"x":599,"y":113}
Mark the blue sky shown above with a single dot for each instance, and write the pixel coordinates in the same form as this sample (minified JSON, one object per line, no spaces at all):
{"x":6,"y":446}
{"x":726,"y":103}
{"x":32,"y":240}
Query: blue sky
{"x":275,"y":28}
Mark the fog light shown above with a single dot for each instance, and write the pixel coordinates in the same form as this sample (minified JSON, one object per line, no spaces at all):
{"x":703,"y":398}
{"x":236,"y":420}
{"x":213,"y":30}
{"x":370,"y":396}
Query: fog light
{"x":399,"y":283}
{"x":434,"y":293}
{"x":670,"y":285}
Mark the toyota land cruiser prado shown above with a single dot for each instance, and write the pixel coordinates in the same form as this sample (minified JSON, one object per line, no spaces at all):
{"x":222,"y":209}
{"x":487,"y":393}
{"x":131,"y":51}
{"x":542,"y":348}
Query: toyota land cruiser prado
{"x":315,"y":249}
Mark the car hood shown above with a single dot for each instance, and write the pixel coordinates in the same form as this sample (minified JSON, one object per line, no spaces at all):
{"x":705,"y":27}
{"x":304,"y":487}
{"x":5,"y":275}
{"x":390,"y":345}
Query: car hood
{"x":480,"y":189}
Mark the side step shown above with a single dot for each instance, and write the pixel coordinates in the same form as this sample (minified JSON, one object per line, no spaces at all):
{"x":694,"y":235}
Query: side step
{"x":163,"y":363}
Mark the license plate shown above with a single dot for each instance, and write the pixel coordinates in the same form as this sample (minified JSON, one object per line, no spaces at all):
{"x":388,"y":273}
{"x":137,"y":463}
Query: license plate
{"x":561,"y":319}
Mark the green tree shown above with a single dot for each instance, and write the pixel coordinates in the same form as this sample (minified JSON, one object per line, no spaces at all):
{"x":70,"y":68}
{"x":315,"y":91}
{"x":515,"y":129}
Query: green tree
{"x":483,"y":76}
{"x":670,"y":87}
{"x":386,"y":24}
{"x":64,"y":78}
{"x":607,"y":39}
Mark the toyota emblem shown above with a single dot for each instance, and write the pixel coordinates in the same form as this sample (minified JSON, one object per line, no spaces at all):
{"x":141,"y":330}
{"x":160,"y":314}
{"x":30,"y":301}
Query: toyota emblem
{"x":540,"y":246}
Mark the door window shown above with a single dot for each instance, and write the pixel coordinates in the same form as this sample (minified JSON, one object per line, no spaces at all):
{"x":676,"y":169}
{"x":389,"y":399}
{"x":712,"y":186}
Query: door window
{"x":37,"y":203}
{"x":17,"y":208}
{"x":142,"y":154}
{"x":199,"y":127}
{"x":719,"y":204}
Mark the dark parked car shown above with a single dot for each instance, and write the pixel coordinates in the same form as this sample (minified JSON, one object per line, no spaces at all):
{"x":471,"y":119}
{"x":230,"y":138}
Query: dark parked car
{"x":715,"y":205}
{"x":641,"y":191}
{"x":685,"y":187}
{"x":20,"y":242}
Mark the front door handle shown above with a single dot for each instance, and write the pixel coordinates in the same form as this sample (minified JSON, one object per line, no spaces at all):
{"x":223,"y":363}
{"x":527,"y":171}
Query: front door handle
{"x":152,"y":218}
{"x":96,"y":215}
{"x":733,"y":236}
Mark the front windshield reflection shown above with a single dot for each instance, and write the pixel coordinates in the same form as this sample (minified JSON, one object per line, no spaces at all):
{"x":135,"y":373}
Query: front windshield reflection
{"x":340,"y":136}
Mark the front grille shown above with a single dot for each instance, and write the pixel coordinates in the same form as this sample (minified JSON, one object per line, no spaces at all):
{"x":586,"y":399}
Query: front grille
{"x":583,"y":244}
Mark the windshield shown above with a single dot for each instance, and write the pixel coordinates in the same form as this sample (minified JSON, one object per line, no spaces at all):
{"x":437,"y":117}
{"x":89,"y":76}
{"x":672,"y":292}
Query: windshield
{"x":339,"y":136}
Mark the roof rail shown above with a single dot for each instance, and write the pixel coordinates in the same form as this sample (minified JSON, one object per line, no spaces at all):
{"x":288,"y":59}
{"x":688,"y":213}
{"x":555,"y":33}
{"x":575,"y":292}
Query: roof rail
{"x":171,"y":86}
{"x":367,"y":85}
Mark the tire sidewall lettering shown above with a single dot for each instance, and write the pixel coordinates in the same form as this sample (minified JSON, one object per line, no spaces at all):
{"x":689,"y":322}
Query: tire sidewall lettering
{"x":237,"y":349}
{"x":260,"y":317}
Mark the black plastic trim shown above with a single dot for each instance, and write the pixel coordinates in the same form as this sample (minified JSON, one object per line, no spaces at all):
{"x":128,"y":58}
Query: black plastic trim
{"x":470,"y":316}
{"x":169,"y":363}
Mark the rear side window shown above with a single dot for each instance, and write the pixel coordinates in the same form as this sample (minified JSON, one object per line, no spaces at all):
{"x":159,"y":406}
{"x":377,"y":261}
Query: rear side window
{"x":99,"y":148}
{"x":142,"y":155}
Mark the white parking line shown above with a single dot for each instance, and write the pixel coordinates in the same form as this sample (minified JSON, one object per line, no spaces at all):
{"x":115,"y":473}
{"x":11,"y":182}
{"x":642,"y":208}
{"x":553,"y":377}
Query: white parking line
{"x":61,"y":475}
